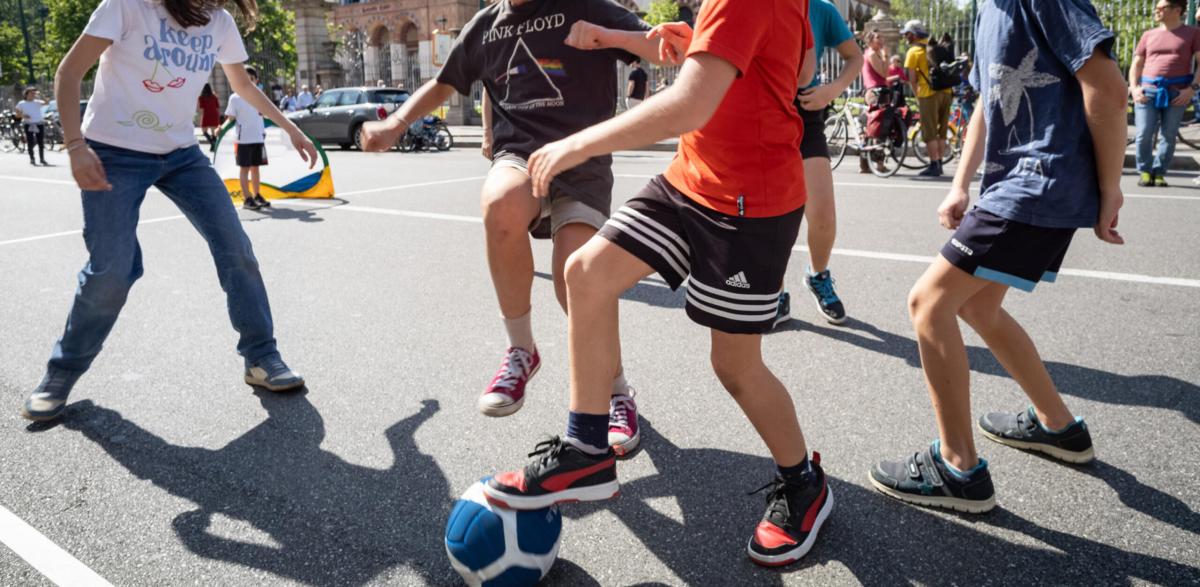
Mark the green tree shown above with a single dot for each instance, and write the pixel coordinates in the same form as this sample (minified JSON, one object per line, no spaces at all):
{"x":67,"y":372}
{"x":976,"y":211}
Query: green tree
{"x":272,"y":43}
{"x":661,"y":11}
{"x":65,"y":21}
{"x":12,"y":55}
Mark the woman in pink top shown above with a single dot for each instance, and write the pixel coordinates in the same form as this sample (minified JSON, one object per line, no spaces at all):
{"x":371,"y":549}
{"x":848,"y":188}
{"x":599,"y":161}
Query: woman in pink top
{"x":874,"y":71}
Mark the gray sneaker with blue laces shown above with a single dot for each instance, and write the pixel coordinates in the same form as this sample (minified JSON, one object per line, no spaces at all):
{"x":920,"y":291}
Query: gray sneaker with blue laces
{"x":50,"y":397}
{"x":273,"y":374}
{"x":821,"y":287}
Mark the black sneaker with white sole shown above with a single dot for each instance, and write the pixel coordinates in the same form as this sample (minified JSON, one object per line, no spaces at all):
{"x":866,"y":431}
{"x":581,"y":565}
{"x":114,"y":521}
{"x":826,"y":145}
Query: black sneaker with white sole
{"x":558,"y":473}
{"x":821,"y":287}
{"x":1022,"y":430}
{"x":273,"y":374}
{"x":796,"y":510}
{"x":48,"y":400}
{"x":923,"y":479}
{"x":783,"y":314}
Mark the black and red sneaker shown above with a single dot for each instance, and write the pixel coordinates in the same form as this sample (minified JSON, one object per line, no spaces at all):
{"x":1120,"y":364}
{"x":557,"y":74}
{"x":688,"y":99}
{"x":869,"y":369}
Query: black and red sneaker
{"x":559,"y":473}
{"x":796,"y":509}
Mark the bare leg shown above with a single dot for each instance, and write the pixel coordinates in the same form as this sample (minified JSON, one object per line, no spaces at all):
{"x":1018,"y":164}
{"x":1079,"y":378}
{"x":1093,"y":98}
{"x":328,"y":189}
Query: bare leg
{"x":255,"y":179}
{"x":596,"y":275}
{"x":737,"y":361}
{"x":1016,"y":351}
{"x":933,"y":305}
{"x":820,"y":212}
{"x":567,"y":240}
{"x":244,"y":180}
{"x":508,"y":209}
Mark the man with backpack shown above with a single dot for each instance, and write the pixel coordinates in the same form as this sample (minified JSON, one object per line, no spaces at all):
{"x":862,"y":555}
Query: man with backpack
{"x":933,"y":86}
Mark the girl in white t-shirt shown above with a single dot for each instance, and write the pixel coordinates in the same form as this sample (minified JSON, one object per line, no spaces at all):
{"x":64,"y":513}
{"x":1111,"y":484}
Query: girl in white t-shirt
{"x":137,"y":132}
{"x":34,"y":123}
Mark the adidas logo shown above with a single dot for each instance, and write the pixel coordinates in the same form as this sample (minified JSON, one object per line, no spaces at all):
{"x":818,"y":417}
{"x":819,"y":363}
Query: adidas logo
{"x":738,"y":280}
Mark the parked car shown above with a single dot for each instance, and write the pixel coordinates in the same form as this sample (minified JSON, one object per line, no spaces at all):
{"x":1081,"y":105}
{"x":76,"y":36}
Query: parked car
{"x":338,"y":115}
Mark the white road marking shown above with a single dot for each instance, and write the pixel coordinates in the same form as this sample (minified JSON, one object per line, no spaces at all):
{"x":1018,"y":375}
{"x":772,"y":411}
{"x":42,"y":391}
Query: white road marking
{"x":55,"y":563}
{"x":407,"y":186}
{"x":74,"y":232}
{"x":37,"y":180}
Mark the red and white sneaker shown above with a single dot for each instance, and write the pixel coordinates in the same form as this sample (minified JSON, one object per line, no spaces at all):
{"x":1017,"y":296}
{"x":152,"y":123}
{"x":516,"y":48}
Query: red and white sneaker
{"x":506,"y":393}
{"x":796,"y":510}
{"x":558,"y":473}
{"x":623,"y":433}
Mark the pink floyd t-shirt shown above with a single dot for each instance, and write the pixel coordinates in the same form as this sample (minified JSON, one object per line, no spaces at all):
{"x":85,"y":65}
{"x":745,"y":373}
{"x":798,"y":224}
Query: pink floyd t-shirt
{"x":152,"y":74}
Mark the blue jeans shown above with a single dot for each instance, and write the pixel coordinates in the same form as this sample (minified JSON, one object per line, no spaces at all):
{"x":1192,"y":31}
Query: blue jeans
{"x":1150,"y":120}
{"x":115,"y":259}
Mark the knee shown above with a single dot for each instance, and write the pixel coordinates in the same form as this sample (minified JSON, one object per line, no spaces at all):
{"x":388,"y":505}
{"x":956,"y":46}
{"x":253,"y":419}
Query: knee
{"x":505,"y":214}
{"x":108,"y":285}
{"x":583,"y":279}
{"x":922,"y":306}
{"x":981,"y":317}
{"x":732,"y":373}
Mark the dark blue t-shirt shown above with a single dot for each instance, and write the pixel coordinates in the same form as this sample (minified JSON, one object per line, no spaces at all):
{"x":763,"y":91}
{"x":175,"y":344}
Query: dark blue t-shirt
{"x":1039,"y":164}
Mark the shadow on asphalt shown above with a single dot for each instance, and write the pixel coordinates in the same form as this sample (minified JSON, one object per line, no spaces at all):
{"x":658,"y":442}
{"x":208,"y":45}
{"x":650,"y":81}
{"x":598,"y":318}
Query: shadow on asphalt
{"x":301,"y":214}
{"x":1154,"y":391}
{"x":651,"y":291}
{"x":879,"y":540}
{"x":333,"y":522}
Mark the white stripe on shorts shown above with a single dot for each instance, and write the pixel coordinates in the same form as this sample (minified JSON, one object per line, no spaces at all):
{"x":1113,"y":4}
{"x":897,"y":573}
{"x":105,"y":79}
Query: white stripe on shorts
{"x":629,"y":231}
{"x":708,"y":289}
{"x":698,"y":295}
{"x":656,"y":224}
{"x":752,"y":318}
{"x":633,"y":223}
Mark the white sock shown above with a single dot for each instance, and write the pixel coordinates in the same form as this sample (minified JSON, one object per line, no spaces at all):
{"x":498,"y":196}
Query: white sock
{"x":620,"y":386}
{"x":583,"y":446}
{"x":520,"y":332}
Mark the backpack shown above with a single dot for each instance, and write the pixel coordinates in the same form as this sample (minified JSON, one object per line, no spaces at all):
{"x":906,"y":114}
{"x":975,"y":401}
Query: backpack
{"x":944,"y":71}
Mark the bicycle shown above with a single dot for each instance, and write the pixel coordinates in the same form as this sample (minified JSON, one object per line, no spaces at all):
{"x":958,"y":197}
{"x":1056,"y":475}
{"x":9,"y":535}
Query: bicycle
{"x":12,"y":132}
{"x":885,"y":151}
{"x":956,"y":131}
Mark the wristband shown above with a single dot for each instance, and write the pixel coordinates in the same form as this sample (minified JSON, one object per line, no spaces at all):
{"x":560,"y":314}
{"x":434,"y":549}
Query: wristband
{"x":76,"y":144}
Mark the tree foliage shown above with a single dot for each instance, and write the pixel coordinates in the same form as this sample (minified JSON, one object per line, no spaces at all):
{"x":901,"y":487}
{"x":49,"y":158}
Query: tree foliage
{"x":65,"y":20}
{"x":12,"y":55}
{"x":272,"y":43}
{"x":661,"y":11}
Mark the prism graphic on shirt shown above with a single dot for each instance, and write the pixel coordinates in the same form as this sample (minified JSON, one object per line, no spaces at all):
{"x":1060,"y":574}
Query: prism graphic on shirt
{"x":528,"y":82}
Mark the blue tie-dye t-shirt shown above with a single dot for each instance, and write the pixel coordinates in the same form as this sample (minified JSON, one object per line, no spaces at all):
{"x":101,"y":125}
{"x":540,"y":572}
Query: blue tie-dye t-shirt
{"x":1039,"y":164}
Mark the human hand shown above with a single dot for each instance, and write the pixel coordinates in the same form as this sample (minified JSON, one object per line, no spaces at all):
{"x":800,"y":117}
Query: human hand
{"x":1184,"y":98}
{"x":817,"y":98}
{"x":1139,"y":95}
{"x":586,"y":36}
{"x":1106,"y":225}
{"x":381,"y":135}
{"x":88,"y":171}
{"x":486,"y":146}
{"x":953,"y":208}
{"x":304,"y":145}
{"x":549,"y":161}
{"x":674,"y":38}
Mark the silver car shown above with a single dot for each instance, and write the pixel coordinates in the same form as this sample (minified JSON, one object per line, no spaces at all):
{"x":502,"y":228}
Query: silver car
{"x":338,"y":115}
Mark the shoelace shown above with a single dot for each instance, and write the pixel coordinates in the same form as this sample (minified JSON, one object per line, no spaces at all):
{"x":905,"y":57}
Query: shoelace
{"x":544,"y":452}
{"x":618,"y":412}
{"x":516,"y":364}
{"x":824,"y":288}
{"x":775,"y":491}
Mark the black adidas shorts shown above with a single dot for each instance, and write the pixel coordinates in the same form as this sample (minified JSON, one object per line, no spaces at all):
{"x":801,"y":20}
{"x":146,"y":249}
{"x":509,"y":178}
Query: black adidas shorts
{"x":250,"y":154}
{"x":1013,"y":253}
{"x":733,"y":266}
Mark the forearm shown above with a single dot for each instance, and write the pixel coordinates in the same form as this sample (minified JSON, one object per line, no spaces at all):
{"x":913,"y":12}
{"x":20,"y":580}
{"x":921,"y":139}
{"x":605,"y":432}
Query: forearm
{"x":1135,"y":72}
{"x":1104,"y":107}
{"x":973,"y":149}
{"x":853,"y":59}
{"x":486,"y":108}
{"x":633,"y":42}
{"x":1196,"y":69}
{"x":66,"y":88}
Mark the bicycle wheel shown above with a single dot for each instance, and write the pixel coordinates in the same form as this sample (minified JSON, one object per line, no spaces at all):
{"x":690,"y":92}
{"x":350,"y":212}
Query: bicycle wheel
{"x":953,"y":145}
{"x":888,"y":153}
{"x":1189,"y":134}
{"x":9,"y":139}
{"x":837,"y":137}
{"x":916,"y":148}
{"x":443,"y":139}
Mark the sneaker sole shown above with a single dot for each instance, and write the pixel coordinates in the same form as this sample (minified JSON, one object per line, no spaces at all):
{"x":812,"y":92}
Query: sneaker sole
{"x":795,"y":554}
{"x":41,"y":418}
{"x":507,"y":409}
{"x":627,"y":448}
{"x":782,"y":320}
{"x":276,"y":388}
{"x":950,"y":503}
{"x":1068,"y":456}
{"x":520,"y":503}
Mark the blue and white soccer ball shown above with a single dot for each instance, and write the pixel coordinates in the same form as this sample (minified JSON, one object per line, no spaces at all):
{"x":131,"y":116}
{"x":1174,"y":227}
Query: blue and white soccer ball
{"x":494,"y":547}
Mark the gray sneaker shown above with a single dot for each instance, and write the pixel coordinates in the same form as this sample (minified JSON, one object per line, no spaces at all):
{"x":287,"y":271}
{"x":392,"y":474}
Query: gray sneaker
{"x":50,"y":397}
{"x":1022,"y":430}
{"x":273,"y":374}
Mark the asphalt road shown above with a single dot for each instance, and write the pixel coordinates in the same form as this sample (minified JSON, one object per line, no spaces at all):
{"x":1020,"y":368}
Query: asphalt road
{"x":168,"y":470}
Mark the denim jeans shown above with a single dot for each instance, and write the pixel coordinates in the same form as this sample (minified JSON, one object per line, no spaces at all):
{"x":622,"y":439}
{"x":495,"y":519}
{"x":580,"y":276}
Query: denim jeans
{"x":115,"y":259}
{"x":1150,"y":120}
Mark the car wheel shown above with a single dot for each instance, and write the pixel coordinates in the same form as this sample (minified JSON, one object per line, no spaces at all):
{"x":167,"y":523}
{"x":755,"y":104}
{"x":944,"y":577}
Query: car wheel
{"x":358,"y":139}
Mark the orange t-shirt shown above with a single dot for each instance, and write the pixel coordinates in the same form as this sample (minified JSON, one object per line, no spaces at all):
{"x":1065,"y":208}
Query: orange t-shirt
{"x":746,"y":160}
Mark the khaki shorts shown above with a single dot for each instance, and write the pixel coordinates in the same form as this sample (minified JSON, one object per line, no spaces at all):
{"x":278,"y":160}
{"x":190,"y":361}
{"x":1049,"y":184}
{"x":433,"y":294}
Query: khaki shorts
{"x":935,"y":115}
{"x":559,"y":209}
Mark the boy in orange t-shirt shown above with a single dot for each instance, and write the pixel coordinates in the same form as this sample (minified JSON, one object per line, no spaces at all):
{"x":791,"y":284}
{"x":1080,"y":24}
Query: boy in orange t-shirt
{"x":723,"y":219}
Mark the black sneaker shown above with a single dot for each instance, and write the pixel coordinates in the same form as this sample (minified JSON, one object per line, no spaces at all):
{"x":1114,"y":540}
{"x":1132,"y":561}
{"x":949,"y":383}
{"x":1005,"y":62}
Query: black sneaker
{"x":559,"y":473}
{"x":821,"y":286}
{"x":929,"y":171}
{"x":924,"y":480}
{"x":1022,"y":430}
{"x":273,"y":374}
{"x":250,"y":203}
{"x":49,"y":398}
{"x":261,"y":201}
{"x":796,"y":509}
{"x":784,"y":313}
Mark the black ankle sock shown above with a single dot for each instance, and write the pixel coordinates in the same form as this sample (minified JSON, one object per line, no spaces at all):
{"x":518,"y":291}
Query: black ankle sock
{"x":589,"y":429}
{"x":795,"y":471}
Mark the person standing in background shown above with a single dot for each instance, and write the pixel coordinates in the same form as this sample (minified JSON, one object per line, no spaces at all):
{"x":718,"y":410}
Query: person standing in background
{"x":305,"y":98}
{"x":34,"y":122}
{"x":875,"y":79}
{"x":933,"y":104}
{"x":1162,"y":80}
{"x":210,"y":114}
{"x":635,"y":89}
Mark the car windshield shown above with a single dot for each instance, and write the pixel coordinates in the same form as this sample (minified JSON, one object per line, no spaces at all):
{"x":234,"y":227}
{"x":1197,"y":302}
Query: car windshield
{"x":390,"y":96}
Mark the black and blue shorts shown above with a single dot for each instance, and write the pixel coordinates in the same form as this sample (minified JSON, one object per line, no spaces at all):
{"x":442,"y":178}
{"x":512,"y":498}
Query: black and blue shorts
{"x":733,"y":266}
{"x":1005,"y":251}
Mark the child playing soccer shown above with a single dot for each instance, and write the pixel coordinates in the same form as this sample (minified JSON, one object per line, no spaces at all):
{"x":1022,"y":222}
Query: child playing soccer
{"x":137,"y":133}
{"x":541,"y":86}
{"x":249,"y":148}
{"x":723,"y":218}
{"x":1050,"y":131}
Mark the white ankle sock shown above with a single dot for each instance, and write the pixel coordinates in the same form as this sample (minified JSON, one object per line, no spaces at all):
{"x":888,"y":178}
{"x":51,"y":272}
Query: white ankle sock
{"x":620,"y":386}
{"x":520,"y":332}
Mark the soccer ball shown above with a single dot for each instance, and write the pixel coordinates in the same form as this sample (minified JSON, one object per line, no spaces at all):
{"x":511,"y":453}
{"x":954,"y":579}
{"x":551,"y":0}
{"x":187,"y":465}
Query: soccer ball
{"x":494,"y":547}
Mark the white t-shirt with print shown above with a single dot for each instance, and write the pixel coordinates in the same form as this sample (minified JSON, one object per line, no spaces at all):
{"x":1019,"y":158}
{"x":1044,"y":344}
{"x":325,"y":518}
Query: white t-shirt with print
{"x":32,"y":109}
{"x":249,"y":122}
{"x":151,"y":76}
